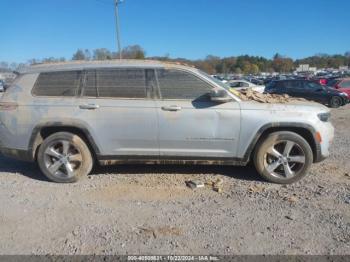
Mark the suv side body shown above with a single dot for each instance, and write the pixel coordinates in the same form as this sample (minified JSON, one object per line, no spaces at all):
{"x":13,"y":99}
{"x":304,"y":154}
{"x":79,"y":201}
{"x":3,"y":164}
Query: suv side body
{"x":114,"y":124}
{"x":147,"y":112}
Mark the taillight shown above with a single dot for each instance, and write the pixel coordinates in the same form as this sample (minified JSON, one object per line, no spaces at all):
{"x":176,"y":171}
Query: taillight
{"x":323,"y":82}
{"x":8,"y":106}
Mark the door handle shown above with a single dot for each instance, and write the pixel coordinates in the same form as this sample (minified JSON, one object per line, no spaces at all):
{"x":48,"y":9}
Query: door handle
{"x":171,"y":108}
{"x":89,"y":107}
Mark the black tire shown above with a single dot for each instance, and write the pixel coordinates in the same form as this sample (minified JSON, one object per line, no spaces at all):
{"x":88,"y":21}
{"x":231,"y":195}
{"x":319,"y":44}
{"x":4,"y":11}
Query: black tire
{"x":335,"y":102}
{"x":73,"y":163}
{"x":281,"y":141}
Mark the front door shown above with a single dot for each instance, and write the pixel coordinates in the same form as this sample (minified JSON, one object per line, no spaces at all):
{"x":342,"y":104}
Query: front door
{"x":190,"y":125}
{"x":315,"y":92}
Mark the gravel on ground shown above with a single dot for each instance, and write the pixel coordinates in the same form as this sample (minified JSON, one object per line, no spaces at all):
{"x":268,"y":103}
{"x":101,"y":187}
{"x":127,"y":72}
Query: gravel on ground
{"x":150,"y":210}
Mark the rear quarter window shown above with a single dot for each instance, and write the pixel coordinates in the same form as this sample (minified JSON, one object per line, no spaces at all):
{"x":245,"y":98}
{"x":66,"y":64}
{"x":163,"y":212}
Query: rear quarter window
{"x":57,"y":84}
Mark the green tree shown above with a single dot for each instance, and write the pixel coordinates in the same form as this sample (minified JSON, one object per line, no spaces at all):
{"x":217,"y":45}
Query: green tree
{"x":246,"y":67}
{"x":238,"y":70}
{"x":79,"y":55}
{"x":254,"y":69}
{"x":102,"y":54}
{"x":133,"y":52}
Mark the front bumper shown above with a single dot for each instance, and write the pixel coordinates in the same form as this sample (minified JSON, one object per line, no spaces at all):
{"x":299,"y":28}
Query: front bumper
{"x":326,"y":131}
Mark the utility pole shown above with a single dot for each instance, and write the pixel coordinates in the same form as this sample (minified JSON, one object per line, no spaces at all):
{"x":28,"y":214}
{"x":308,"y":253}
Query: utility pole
{"x":117,"y":2}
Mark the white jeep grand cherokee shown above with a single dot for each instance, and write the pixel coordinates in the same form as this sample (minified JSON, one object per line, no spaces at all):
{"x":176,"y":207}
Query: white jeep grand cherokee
{"x":68,"y":116}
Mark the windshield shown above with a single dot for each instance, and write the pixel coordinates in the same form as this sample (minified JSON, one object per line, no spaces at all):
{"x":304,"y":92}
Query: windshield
{"x":332,"y":82}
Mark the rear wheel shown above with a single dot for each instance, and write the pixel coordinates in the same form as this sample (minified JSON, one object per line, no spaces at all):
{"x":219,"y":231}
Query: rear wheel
{"x":336,"y":102}
{"x":283,"y":157}
{"x":64,"y":158}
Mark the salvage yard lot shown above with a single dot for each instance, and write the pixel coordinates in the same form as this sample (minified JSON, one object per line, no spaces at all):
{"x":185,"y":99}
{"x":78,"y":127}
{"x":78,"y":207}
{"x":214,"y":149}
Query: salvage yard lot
{"x":149,"y":210}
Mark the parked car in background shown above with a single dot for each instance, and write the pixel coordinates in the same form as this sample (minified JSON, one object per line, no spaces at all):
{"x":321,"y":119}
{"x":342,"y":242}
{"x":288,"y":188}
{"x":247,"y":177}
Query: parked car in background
{"x":309,"y":90}
{"x":118,"y":112}
{"x":343,"y":85}
{"x":2,"y":86}
{"x":242,"y":84}
{"x":223,"y":80}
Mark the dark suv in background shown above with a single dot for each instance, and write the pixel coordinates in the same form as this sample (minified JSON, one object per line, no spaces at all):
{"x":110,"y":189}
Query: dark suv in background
{"x":309,"y":90}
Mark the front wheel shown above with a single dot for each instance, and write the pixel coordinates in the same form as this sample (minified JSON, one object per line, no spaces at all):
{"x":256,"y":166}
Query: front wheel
{"x":283,"y":157}
{"x":64,"y":157}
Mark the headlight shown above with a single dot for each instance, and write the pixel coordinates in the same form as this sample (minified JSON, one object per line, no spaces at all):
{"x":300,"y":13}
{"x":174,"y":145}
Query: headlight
{"x":344,"y":94}
{"x":324,"y":117}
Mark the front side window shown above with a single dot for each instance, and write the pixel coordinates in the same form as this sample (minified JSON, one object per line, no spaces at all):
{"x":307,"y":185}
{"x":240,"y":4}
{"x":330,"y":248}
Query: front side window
{"x":312,"y":86}
{"x":116,"y":83}
{"x":332,"y":82}
{"x":177,"y":84}
{"x":57,"y":84}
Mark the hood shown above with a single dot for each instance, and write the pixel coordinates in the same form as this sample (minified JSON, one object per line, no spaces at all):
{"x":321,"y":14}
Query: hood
{"x":296,"y":106}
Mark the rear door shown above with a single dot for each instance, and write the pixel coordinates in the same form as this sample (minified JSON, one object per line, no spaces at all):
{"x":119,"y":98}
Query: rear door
{"x":116,"y":104}
{"x":190,"y":125}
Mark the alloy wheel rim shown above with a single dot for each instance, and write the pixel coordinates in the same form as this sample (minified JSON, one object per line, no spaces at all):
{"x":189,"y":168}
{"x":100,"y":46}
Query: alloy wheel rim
{"x":336,"y":102}
{"x":62,"y":159}
{"x":284,"y":159}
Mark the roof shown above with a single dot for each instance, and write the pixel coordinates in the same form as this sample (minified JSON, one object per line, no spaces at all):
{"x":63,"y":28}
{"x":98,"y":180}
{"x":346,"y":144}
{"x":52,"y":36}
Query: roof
{"x":81,"y":65}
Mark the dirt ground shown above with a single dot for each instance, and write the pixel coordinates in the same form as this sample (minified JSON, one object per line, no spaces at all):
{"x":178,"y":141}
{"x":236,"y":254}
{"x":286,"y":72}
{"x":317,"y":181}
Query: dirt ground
{"x":149,"y":209}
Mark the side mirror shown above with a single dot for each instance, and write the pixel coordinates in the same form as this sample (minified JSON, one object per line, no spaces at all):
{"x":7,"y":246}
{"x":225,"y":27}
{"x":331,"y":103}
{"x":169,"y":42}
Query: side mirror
{"x":220,"y":96}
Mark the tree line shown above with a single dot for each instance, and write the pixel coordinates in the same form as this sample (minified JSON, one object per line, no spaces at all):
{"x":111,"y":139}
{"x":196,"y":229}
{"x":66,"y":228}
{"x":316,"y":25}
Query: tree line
{"x":243,"y":64}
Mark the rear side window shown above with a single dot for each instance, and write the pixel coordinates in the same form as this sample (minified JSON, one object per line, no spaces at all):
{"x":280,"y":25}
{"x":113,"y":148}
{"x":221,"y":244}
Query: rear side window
{"x":116,"y":83}
{"x":57,"y":84}
{"x":280,"y":85}
{"x":294,"y":85}
{"x":176,"y":84}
